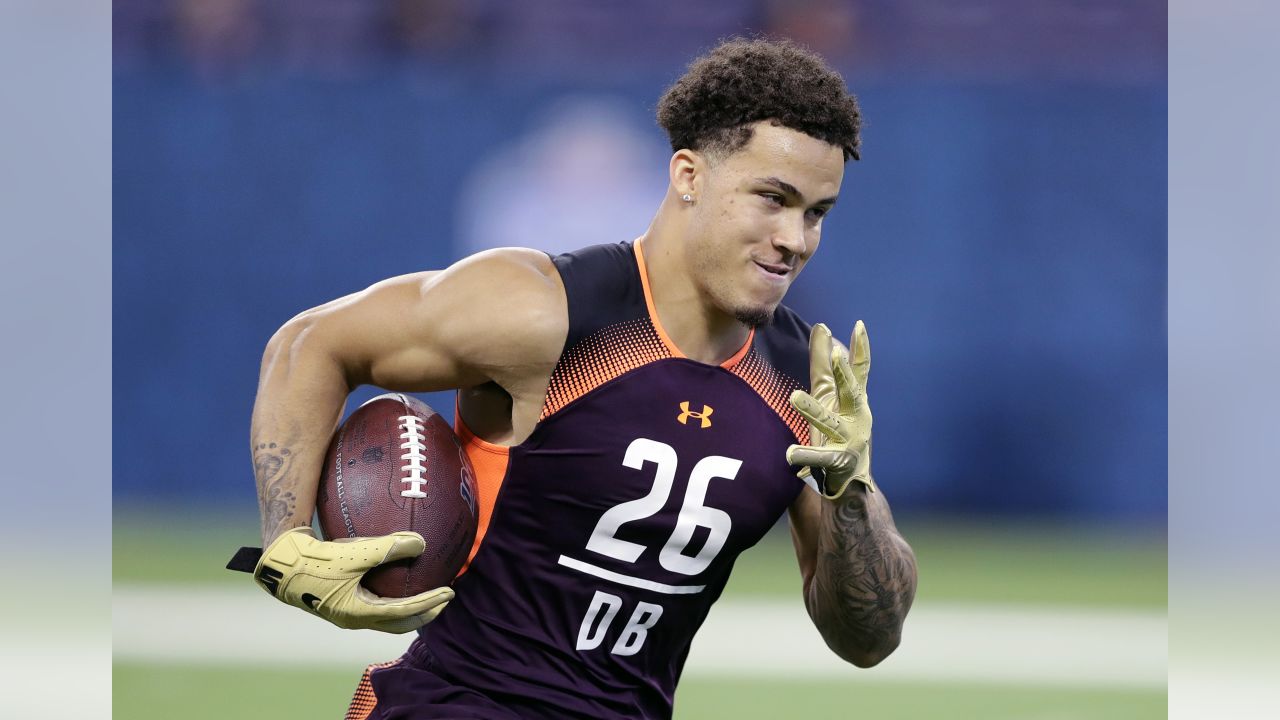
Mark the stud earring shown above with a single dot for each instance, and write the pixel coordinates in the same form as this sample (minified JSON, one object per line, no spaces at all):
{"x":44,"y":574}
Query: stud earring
{"x":687,"y":197}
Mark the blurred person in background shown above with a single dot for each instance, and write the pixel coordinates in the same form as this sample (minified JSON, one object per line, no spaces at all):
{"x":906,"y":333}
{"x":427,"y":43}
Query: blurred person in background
{"x":538,"y":179}
{"x":218,"y":37}
{"x":645,"y":412}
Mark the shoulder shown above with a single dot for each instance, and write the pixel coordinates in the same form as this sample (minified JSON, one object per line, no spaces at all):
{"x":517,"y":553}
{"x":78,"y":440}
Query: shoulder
{"x":507,"y":305}
{"x":598,"y":271}
{"x":508,"y":280}
{"x":525,"y":269}
{"x":496,"y":316}
{"x":784,"y":344}
{"x":599,"y":257}
{"x":602,"y":287}
{"x":529,"y":274}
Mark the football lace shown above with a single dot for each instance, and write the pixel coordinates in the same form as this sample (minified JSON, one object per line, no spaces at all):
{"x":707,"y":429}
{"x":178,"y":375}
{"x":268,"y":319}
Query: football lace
{"x":415,"y":445}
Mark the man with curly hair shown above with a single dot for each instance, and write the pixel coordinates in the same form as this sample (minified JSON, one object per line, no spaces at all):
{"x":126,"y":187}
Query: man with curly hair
{"x":638,"y":414}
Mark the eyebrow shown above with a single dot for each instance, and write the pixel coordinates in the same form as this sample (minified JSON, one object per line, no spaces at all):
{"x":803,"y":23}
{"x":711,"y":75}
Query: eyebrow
{"x":790,"y":189}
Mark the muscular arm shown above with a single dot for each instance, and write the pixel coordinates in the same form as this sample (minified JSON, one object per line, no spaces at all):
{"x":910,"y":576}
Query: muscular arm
{"x":859,"y":573}
{"x":495,"y":317}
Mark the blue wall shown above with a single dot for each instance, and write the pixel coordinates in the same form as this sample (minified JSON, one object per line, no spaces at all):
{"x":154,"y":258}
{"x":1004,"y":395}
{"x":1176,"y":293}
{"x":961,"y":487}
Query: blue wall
{"x":1005,"y":243}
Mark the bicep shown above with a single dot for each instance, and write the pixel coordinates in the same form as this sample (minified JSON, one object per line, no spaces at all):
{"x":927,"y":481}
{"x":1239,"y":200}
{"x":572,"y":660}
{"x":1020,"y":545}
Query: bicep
{"x":477,"y":321}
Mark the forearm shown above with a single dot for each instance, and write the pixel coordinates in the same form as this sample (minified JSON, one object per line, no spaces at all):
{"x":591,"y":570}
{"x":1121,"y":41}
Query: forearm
{"x":864,"y":578}
{"x":300,"y":398}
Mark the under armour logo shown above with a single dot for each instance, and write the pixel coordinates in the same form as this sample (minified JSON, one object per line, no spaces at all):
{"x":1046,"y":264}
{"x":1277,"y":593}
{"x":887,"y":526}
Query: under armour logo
{"x":704,"y":416}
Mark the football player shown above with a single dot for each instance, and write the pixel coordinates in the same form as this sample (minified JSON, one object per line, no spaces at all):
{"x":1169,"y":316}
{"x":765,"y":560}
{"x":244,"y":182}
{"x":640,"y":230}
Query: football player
{"x":638,"y":414}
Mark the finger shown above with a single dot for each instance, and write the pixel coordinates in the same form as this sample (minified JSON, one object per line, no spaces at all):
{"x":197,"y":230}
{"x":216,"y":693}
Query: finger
{"x":374,"y":551}
{"x":819,"y":355}
{"x":368,"y":552}
{"x":848,"y":391}
{"x":409,"y":624}
{"x":815,"y":412}
{"x":403,"y":545}
{"x":825,"y":421}
{"x":861,"y":345}
{"x":794,"y":453}
{"x":810,"y":456}
{"x":389,"y":607}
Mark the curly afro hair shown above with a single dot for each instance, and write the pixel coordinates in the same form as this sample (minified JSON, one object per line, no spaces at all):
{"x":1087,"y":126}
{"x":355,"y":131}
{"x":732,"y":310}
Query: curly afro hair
{"x":742,"y":81}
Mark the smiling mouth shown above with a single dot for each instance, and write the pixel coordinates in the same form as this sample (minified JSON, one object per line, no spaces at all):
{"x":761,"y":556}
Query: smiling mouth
{"x":774,"y":269}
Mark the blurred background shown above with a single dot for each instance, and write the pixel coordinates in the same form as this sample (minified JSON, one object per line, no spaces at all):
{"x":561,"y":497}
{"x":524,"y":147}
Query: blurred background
{"x":1007,"y":228}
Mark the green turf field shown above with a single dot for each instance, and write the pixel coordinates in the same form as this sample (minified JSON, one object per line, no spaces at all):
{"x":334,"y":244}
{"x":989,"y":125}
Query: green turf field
{"x":219,"y":693}
{"x":1027,"y":565}
{"x":1019,"y":563}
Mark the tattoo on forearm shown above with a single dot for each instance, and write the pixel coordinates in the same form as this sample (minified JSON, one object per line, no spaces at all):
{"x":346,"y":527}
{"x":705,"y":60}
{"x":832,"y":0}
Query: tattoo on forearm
{"x":271,"y":465}
{"x":867,"y":576}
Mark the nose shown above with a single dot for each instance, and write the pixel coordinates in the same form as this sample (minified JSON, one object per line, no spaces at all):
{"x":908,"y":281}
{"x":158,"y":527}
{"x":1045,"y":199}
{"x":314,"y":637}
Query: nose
{"x":789,"y":236}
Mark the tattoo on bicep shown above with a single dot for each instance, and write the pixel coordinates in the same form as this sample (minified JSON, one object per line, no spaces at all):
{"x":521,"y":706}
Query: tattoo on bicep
{"x":271,"y":464}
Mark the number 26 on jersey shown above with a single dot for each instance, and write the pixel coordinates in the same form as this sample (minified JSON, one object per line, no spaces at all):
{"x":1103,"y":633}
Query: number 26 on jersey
{"x":606,"y":607}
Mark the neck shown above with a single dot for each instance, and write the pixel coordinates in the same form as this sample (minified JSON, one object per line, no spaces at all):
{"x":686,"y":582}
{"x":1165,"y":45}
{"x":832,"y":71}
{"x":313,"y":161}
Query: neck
{"x":701,"y":331}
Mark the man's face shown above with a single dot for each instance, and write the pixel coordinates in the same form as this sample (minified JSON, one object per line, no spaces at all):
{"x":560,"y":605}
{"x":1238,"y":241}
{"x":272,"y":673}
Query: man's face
{"x":758,"y":219}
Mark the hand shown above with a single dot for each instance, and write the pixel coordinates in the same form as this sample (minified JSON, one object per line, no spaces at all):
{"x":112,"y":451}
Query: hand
{"x":323,"y":578}
{"x":837,"y":411}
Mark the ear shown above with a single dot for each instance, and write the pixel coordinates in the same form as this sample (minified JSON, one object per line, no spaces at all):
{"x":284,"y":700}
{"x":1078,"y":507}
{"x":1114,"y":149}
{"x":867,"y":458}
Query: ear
{"x":686,"y":170}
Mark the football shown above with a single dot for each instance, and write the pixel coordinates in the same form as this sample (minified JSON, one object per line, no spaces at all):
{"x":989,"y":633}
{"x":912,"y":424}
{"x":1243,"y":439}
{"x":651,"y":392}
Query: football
{"x":395,"y":464}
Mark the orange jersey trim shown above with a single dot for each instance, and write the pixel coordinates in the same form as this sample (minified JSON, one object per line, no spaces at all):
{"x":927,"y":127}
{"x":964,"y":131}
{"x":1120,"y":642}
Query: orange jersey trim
{"x":657,"y":322}
{"x":775,"y":389}
{"x":489,"y":461}
{"x":608,"y":353}
{"x":364,"y":700}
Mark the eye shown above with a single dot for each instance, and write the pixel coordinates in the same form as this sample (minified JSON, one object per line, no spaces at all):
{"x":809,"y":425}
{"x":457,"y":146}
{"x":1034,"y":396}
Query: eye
{"x":818,"y":213}
{"x":773,"y":199}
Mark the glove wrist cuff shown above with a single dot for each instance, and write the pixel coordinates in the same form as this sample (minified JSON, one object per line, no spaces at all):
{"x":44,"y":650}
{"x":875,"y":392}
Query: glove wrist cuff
{"x":840,"y":491}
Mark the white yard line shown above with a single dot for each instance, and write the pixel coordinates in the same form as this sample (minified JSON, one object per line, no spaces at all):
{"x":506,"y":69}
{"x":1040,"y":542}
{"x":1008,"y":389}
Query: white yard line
{"x":1031,"y":645}
{"x":946,"y":642}
{"x":53,"y":673}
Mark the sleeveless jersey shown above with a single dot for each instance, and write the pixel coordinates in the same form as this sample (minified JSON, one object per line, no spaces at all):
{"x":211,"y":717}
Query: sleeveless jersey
{"x":606,"y":535}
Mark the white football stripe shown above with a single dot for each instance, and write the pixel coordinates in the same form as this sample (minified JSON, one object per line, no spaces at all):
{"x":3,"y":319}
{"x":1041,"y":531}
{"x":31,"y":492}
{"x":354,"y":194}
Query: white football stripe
{"x":762,"y":638}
